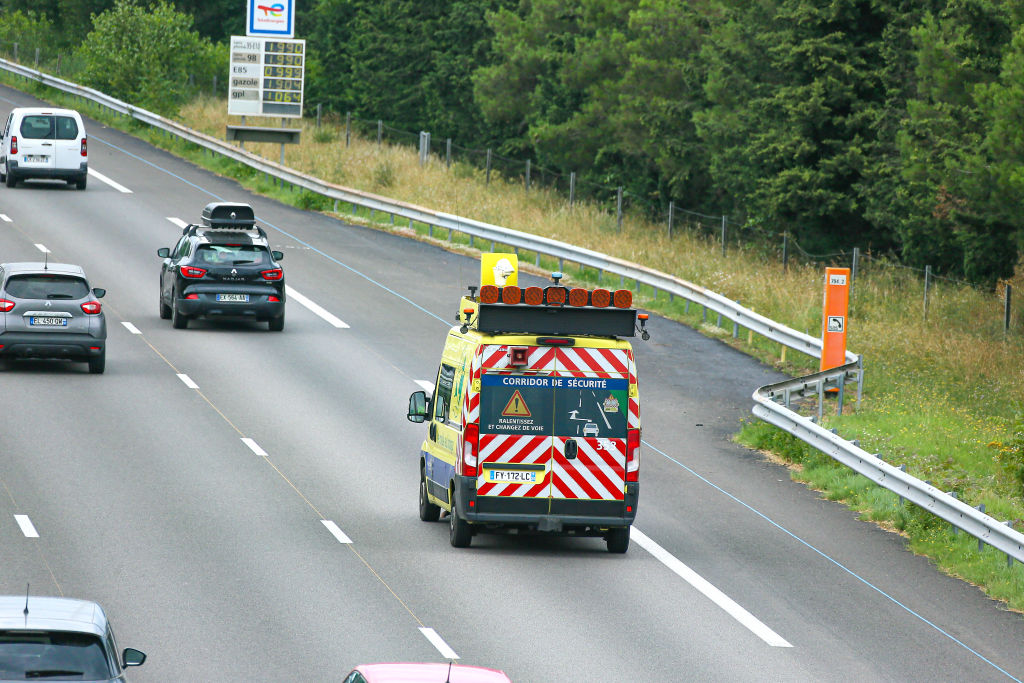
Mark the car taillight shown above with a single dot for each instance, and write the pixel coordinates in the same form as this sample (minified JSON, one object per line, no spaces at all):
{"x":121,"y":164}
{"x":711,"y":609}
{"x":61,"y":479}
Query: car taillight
{"x":470,"y":439}
{"x":6,"y":305}
{"x":85,"y":148}
{"x":192,"y":271}
{"x":273,"y":274}
{"x":273,"y":299}
{"x":633,"y":455}
{"x":91,"y":307}
{"x":14,"y":144}
{"x":192,"y":296}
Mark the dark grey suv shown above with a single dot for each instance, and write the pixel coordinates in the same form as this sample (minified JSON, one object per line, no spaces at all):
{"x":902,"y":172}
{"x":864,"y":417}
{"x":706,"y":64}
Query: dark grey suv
{"x":48,"y":310}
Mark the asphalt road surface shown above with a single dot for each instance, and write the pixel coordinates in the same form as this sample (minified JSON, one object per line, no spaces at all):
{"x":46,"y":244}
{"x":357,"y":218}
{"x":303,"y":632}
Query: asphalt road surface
{"x":243,"y":502}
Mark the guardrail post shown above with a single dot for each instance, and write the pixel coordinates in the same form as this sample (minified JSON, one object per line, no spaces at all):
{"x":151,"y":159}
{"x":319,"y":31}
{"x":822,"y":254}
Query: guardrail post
{"x":853,"y":270}
{"x":348,"y":127}
{"x":618,"y":208}
{"x":821,"y":398}
{"x":318,"y":106}
{"x":842,"y":386}
{"x":527,"y":175}
{"x":671,"y":216}
{"x":380,"y":131}
{"x":572,"y":188}
{"x":15,"y":52}
{"x":1006,"y":308}
{"x":37,"y":59}
{"x":927,"y":282}
{"x":1009,"y":557}
{"x":488,"y":178}
{"x":448,"y":153}
{"x":335,"y":206}
{"x":981,"y":543}
{"x":785,"y":251}
{"x":952,"y":526}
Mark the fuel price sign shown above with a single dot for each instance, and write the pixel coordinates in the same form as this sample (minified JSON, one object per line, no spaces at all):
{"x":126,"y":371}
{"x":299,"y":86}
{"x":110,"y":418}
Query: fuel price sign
{"x":267,"y":76}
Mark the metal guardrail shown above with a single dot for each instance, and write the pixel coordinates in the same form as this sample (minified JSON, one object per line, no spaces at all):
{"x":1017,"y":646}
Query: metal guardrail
{"x":945,"y":506}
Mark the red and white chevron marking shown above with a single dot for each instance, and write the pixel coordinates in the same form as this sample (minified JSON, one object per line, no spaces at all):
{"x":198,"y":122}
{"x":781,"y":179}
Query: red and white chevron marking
{"x":584,"y":362}
{"x":598,"y":472}
{"x":538,"y":359}
{"x":512,"y":448}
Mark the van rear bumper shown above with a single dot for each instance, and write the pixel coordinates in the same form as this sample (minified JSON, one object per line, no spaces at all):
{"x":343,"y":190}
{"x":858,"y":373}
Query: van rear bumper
{"x":31,"y":172}
{"x":557,"y":515}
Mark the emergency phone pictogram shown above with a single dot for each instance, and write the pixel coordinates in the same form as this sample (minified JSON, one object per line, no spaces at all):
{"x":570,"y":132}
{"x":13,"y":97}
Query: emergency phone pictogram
{"x":516,"y":406}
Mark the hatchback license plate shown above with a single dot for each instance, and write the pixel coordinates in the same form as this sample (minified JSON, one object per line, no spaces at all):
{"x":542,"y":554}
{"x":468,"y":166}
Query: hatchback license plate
{"x":511,"y":476}
{"x":239,"y":298}
{"x":48,"y":321}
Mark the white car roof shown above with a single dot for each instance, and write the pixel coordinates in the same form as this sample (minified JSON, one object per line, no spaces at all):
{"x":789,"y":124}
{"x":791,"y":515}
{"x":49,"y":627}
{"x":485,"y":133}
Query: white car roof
{"x":44,"y":110}
{"x":51,"y":614}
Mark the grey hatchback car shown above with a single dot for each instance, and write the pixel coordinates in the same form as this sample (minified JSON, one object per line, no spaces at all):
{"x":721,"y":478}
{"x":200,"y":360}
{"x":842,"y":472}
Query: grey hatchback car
{"x":48,"y":310}
{"x":59,"y":639}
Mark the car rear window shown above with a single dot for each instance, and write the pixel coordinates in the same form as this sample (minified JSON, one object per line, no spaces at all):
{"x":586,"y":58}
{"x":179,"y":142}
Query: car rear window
{"x":233,"y":255}
{"x":541,"y":405}
{"x":45,"y":286}
{"x":52,"y":656}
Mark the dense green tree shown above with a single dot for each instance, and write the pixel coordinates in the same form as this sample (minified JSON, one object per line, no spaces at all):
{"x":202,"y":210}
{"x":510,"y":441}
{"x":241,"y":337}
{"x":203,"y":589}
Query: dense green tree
{"x":146,"y":55}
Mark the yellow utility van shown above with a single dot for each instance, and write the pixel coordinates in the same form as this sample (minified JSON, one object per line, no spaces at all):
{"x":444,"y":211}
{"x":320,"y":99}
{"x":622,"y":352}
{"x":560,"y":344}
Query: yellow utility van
{"x":534,"y":420}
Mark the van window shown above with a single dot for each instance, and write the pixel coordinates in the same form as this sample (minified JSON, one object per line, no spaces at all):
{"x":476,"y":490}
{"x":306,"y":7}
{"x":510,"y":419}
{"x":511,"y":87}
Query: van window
{"x":67,"y":128}
{"x":37,"y":127}
{"x":554,"y":406}
{"x":443,"y":395}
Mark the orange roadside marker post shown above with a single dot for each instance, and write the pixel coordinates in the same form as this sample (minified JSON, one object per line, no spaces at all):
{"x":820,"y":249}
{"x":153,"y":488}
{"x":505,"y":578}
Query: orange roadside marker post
{"x":834,"y":316}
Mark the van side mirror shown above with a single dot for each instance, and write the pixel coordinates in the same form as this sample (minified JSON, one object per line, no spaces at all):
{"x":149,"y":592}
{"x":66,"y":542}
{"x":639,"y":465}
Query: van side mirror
{"x":278,"y":255}
{"x":417,"y":407}
{"x":99,"y":292}
{"x":164,"y":252}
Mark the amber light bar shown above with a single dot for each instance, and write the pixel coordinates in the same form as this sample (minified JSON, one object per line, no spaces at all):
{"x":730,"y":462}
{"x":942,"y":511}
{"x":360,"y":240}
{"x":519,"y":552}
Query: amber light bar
{"x":556,"y":296}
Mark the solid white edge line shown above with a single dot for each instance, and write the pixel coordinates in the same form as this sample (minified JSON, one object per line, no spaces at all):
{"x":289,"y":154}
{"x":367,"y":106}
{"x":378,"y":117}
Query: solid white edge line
{"x":438,"y":642}
{"x":335,"y":531}
{"x":178,"y":222}
{"x":42,"y":248}
{"x":315,"y":308}
{"x":187,"y":380}
{"x":117,"y":186}
{"x":427,"y":386}
{"x":253,"y":446}
{"x":5,"y":218}
{"x":716,"y":596}
{"x":26,"y":526}
{"x":131,"y":328}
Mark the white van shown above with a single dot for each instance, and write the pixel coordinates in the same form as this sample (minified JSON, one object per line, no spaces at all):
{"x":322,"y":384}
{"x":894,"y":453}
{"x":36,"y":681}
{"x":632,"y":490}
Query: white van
{"x":43,"y":142}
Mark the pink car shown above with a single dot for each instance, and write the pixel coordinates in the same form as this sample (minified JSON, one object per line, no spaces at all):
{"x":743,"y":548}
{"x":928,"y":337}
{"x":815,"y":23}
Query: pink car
{"x":425,"y":673}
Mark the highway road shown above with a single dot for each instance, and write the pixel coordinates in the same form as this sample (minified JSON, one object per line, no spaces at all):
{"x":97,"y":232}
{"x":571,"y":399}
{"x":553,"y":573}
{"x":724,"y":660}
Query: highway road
{"x":244,"y":503}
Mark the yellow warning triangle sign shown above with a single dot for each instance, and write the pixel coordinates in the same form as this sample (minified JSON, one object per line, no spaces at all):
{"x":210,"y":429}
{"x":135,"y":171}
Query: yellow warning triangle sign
{"x":516,"y":406}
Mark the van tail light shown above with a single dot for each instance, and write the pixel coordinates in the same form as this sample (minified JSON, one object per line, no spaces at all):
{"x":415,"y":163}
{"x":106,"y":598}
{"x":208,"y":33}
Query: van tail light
{"x":273,"y":274}
{"x":192,"y":271}
{"x":91,"y":307}
{"x":633,"y":455}
{"x":470,"y":444}
{"x":85,"y":148}
{"x":6,"y":305}
{"x":14,"y":144}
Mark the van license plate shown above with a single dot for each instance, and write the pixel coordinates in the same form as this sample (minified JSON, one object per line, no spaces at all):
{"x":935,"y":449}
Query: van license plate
{"x":36,"y":158}
{"x":239,"y":298}
{"x":511,"y":476}
{"x":48,"y":321}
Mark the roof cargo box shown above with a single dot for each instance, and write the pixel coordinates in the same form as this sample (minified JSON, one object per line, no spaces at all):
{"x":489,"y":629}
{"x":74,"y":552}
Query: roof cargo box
{"x":228,"y":215}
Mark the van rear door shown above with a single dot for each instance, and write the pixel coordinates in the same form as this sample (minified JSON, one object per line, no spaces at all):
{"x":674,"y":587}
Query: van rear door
{"x":36,"y":142}
{"x":68,"y":143}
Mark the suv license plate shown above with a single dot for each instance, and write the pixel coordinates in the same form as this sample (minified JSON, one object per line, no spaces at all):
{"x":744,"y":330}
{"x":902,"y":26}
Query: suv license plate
{"x":511,"y":476}
{"x":51,"y":322}
{"x":240,"y":298}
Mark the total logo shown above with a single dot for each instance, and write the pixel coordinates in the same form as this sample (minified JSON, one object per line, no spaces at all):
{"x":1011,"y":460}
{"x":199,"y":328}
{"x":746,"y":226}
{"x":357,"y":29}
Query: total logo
{"x":275,"y":10}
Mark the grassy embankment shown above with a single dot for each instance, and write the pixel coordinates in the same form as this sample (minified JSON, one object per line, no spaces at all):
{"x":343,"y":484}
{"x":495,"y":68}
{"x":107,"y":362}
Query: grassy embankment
{"x":941,"y":395}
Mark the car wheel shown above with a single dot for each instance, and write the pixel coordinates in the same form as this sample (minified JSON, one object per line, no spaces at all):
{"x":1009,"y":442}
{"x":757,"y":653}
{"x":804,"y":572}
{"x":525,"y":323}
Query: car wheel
{"x":165,"y":310}
{"x":10,"y":179}
{"x":428,"y":511}
{"x":98,"y":363}
{"x":459,"y":532}
{"x":276,"y":324}
{"x":617,"y":539}
{"x":80,"y":183}
{"x":179,"y":320}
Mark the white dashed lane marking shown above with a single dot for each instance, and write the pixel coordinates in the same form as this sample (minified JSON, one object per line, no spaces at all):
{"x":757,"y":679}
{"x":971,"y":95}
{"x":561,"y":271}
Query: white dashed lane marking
{"x":187,"y":380}
{"x":177,"y":221}
{"x":335,"y":531}
{"x":427,"y":386}
{"x":131,"y":328}
{"x":102,"y":178}
{"x":253,"y":446}
{"x":42,"y":248}
{"x":5,"y":218}
{"x":315,"y":308}
{"x":26,"y":526}
{"x":716,"y":596}
{"x":439,"y":643}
